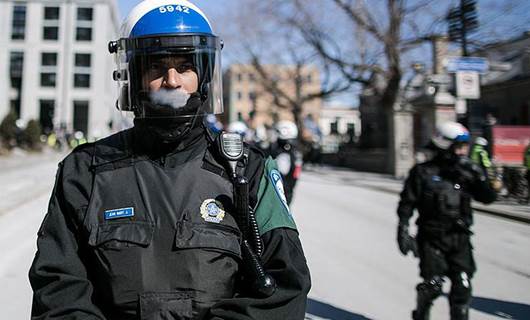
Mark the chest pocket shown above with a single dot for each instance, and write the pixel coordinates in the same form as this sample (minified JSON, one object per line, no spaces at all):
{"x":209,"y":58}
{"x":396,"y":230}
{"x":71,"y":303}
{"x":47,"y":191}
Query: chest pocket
{"x":443,"y":197}
{"x":208,"y":236}
{"x":116,"y":235}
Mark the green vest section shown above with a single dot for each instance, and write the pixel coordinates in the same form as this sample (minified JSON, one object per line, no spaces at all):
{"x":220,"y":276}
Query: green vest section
{"x":527,"y":158}
{"x":272,"y":211}
{"x":480,"y":156}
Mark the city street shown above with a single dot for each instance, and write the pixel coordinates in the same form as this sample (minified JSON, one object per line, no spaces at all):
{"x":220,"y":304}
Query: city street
{"x":348,"y":232}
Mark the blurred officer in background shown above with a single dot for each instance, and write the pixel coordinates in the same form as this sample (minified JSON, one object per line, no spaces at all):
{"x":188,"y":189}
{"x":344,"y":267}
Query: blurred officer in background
{"x":238,"y":127}
{"x":479,"y":154}
{"x":148,"y":223}
{"x":441,"y":190}
{"x":288,"y":157}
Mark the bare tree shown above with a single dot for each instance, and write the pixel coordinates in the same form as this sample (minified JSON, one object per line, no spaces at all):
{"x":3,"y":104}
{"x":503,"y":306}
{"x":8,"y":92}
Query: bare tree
{"x":268,"y":42}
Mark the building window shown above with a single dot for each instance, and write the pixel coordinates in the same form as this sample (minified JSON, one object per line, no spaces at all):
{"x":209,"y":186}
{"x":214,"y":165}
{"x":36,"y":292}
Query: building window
{"x":18,"y":31}
{"x":239,"y":77}
{"x":251,"y":77}
{"x":239,"y":95}
{"x":48,"y":70}
{"x":84,"y":14}
{"x":81,"y":116}
{"x":84,"y":24}
{"x":50,"y":29}
{"x":49,"y":59}
{"x":82,"y":59}
{"x":50,"y":33}
{"x":51,"y":13}
{"x":15,"y":106}
{"x":83,"y":34}
{"x":334,"y":127}
{"x":82,"y":80}
{"x":47,"y":79}
{"x":16,"y":66}
{"x":47,"y":111}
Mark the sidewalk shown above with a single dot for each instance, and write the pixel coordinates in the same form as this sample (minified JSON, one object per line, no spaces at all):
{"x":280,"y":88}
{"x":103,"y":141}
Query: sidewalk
{"x":508,"y":209}
{"x":19,"y":158}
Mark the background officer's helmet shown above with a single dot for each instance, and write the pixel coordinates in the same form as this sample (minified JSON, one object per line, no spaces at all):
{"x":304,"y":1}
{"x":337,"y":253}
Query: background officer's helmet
{"x":286,"y":130}
{"x":238,"y":127}
{"x":167,"y":34}
{"x":481,"y":141}
{"x":449,"y":133}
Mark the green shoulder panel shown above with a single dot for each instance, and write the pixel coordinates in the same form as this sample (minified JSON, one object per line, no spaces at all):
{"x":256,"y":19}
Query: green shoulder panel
{"x":272,"y":210}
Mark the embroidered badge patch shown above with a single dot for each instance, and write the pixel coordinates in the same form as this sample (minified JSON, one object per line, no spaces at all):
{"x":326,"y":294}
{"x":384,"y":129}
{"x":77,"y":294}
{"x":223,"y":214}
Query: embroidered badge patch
{"x":277,"y":182}
{"x":212,"y":211}
{"x":119,"y":213}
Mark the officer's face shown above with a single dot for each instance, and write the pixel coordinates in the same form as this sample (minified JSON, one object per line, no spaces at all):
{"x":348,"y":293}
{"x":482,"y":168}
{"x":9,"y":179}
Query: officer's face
{"x":461,"y":149}
{"x":169,"y":73}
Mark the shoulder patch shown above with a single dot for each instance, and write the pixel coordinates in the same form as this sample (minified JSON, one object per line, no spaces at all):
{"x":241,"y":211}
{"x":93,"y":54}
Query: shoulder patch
{"x":271,"y":209}
{"x":277,"y":182}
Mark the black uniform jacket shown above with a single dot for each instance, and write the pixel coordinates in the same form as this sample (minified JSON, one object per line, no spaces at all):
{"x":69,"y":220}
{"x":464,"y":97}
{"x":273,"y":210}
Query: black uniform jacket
{"x":136,"y":230}
{"x":441,"y":191}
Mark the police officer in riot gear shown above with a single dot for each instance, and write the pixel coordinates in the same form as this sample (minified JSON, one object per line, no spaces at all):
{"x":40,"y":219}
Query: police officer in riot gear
{"x":287,"y":155}
{"x":441,"y":190}
{"x":144,"y":224}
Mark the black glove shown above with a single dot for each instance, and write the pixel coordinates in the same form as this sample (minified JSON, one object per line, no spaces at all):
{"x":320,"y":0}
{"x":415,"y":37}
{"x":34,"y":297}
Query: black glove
{"x":406,"y":242}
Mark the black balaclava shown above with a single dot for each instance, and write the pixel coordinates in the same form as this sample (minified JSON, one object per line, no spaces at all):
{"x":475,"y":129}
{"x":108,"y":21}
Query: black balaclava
{"x":166,"y":126}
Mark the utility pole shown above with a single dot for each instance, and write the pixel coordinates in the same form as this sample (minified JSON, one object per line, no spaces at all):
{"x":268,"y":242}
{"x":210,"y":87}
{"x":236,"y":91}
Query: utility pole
{"x":462,"y":21}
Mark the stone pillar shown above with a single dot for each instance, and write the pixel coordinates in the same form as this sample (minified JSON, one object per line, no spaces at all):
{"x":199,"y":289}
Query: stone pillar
{"x":440,"y":50}
{"x":402,"y":146}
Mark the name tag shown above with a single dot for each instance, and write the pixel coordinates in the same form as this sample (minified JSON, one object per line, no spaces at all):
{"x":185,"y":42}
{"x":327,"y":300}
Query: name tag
{"x":119,"y":213}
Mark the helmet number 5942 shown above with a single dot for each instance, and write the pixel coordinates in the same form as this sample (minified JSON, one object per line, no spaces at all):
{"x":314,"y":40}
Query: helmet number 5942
{"x":172,"y":8}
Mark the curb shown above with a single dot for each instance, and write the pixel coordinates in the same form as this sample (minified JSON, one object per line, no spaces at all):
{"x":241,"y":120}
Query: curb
{"x":483,"y":209}
{"x":501,"y":213}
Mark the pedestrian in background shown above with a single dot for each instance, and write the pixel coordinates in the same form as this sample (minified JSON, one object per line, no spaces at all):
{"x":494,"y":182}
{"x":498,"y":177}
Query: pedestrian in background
{"x":154,"y":222}
{"x":479,"y":155}
{"x":441,"y":190}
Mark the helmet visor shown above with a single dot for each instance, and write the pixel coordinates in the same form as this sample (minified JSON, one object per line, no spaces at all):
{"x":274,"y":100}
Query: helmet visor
{"x":173,"y":76}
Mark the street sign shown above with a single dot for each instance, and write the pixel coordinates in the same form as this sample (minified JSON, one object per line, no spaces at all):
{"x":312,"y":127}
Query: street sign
{"x":439,"y":79}
{"x":477,"y":64}
{"x":467,"y":85}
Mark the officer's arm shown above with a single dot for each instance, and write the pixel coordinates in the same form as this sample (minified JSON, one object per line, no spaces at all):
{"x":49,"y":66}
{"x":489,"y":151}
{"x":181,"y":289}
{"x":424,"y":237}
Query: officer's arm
{"x":283,"y":259}
{"x":409,"y":196}
{"x":481,"y":189}
{"x":58,"y":277}
{"x":486,"y":162}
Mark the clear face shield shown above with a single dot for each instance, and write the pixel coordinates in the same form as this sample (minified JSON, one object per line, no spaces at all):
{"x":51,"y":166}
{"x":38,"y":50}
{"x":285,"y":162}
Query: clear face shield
{"x":168,"y":77}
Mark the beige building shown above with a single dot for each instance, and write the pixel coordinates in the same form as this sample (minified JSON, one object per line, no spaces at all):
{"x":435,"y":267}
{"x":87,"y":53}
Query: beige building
{"x":246,"y":96}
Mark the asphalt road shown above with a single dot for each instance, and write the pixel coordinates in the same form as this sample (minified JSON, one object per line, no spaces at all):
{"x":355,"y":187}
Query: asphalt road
{"x":348,"y":233}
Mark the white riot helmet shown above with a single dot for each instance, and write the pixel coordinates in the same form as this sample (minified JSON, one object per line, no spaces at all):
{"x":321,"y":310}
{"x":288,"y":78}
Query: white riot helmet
{"x":481,"y":141}
{"x":287,"y":130}
{"x":238,"y":127}
{"x":162,"y":37}
{"x":448,"y":133}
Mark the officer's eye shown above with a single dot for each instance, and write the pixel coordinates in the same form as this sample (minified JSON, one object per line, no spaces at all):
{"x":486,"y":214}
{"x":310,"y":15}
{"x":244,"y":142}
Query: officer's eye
{"x":155,"y":66}
{"x":184,"y":67}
